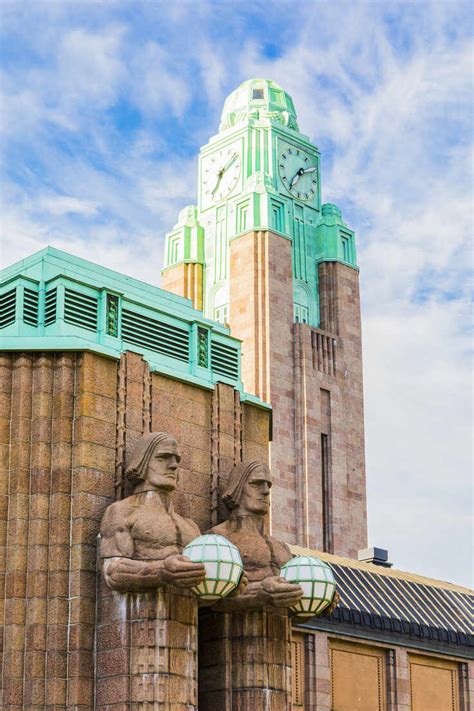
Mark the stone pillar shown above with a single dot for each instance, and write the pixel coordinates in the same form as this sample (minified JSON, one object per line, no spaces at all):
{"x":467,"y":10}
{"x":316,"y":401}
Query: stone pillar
{"x":245,"y":661}
{"x":261,"y":314}
{"x":147,"y":650}
{"x":342,"y":380}
{"x":309,"y":672}
{"x":402,"y":680}
{"x":184,"y":279}
{"x":18,"y":383}
{"x":322,"y":672}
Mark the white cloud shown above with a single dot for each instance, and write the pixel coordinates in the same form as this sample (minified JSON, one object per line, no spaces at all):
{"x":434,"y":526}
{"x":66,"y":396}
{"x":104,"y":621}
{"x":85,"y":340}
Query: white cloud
{"x":63,"y":204}
{"x":383,"y":89}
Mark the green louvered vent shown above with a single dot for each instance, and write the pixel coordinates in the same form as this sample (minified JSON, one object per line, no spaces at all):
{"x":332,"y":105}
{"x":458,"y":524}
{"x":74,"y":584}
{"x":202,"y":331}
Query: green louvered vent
{"x":7,"y":308}
{"x":50,"y":306}
{"x":30,"y":307}
{"x":155,"y":335}
{"x":225,"y":360}
{"x":80,"y":309}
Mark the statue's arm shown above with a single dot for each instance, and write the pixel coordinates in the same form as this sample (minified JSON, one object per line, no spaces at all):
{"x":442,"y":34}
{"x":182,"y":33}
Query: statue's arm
{"x":129,"y":575}
{"x":273,"y":591}
{"x":123,"y":573}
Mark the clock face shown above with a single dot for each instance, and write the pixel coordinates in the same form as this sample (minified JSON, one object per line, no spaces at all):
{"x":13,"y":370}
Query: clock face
{"x":220,"y":173}
{"x":299,"y":173}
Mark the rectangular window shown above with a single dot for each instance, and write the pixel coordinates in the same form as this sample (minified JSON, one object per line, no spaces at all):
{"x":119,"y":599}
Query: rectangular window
{"x":301,"y":314}
{"x":299,"y":245}
{"x":346,"y":253}
{"x":325,"y":487}
{"x":278,"y":216}
{"x":257,"y":94}
{"x":242,"y":216}
{"x":221,"y":313}
{"x":220,"y":249}
{"x":174,"y":250}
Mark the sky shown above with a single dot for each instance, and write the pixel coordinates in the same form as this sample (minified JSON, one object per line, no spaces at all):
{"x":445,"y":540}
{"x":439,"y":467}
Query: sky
{"x":106,"y":104}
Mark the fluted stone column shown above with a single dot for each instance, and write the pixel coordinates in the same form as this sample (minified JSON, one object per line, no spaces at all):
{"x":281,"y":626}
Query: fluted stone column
{"x":245,"y":661}
{"x":147,"y":650}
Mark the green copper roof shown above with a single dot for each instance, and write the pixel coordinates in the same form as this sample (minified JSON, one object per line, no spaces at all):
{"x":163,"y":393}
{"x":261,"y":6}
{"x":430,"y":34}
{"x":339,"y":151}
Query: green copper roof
{"x":54,"y":301}
{"x":257,"y":99}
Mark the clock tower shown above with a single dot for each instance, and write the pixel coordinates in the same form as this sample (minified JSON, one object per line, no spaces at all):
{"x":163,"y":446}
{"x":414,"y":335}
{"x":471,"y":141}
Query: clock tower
{"x":260,"y":253}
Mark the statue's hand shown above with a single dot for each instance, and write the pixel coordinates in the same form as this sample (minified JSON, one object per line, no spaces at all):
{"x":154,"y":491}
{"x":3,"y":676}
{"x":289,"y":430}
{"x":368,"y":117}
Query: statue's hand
{"x":241,"y":587}
{"x":279,"y":592}
{"x":178,"y":570}
{"x":335,"y":602}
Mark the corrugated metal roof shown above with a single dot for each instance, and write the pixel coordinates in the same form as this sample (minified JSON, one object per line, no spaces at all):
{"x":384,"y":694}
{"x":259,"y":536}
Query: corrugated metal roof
{"x":398,"y":602}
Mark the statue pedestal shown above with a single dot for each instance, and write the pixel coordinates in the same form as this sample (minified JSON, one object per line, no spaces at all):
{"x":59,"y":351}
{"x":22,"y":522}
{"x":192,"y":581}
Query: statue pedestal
{"x":151,"y":660}
{"x":245,"y":661}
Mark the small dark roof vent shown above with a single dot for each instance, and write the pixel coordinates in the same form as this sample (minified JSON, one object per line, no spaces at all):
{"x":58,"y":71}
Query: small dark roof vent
{"x":377,"y":556}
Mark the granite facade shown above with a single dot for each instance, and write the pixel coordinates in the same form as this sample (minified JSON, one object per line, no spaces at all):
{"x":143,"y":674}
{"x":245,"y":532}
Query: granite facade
{"x":67,"y":420}
{"x":313,"y":380}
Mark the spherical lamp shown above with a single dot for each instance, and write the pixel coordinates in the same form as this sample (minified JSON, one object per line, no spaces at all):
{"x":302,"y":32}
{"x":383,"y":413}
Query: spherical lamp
{"x":317,"y":580}
{"x":222,"y":562}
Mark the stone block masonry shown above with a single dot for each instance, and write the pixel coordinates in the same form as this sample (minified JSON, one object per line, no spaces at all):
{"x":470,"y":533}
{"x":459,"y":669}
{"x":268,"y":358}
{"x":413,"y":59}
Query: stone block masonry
{"x":313,"y":380}
{"x":66,"y":422}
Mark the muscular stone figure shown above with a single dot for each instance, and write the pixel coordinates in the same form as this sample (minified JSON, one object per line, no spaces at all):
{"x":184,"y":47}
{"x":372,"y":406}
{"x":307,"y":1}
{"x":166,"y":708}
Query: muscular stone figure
{"x":142,"y":537}
{"x":246,"y":497}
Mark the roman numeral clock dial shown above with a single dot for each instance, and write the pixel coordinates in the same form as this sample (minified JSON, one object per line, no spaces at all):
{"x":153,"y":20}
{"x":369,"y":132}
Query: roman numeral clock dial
{"x":298,"y":173}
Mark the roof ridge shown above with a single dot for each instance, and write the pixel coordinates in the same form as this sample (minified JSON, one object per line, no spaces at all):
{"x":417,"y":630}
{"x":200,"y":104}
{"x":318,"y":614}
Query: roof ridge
{"x":390,"y":572}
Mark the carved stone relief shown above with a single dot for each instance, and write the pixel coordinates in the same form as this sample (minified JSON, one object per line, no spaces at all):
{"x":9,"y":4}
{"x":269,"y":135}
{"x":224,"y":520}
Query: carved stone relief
{"x":142,"y":537}
{"x":247,"y":499}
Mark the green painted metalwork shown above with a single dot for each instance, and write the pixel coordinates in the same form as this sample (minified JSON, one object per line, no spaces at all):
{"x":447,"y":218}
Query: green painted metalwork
{"x":260,"y":172}
{"x":334,"y":240}
{"x":55,"y":301}
{"x":112,"y":315}
{"x":203,"y":347}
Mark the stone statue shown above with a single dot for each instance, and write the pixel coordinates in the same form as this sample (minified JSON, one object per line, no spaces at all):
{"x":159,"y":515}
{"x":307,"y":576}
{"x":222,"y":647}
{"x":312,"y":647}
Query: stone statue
{"x":246,"y":497}
{"x":142,"y":537}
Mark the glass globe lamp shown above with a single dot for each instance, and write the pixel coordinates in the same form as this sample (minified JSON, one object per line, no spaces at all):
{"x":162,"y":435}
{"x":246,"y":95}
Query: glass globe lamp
{"x":222,"y":562}
{"x":317,"y":580}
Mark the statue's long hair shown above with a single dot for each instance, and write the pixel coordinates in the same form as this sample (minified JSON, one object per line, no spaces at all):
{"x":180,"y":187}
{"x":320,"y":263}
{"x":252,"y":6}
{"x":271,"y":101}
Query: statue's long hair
{"x":239,"y":476}
{"x":141,"y":454}
{"x":232,"y":494}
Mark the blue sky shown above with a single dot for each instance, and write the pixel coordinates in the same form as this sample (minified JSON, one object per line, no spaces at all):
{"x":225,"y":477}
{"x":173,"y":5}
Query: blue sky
{"x":106,"y":104}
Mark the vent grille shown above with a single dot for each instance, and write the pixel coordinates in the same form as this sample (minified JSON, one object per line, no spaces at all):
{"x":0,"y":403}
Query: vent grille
{"x":80,"y":309}
{"x":50,"y":307}
{"x":155,"y":335}
{"x":7,"y":308}
{"x":30,"y":307}
{"x":225,"y":360}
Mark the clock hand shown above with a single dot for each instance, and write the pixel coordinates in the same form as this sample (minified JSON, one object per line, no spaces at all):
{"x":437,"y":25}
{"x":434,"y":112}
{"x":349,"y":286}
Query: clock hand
{"x":299,"y":173}
{"x":222,"y":171}
{"x":296,"y":177}
{"x":216,"y":185}
{"x":228,"y":164}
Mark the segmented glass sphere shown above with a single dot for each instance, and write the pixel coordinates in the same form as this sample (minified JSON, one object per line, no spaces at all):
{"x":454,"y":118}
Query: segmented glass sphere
{"x":222,"y":562}
{"x":317,"y":581}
